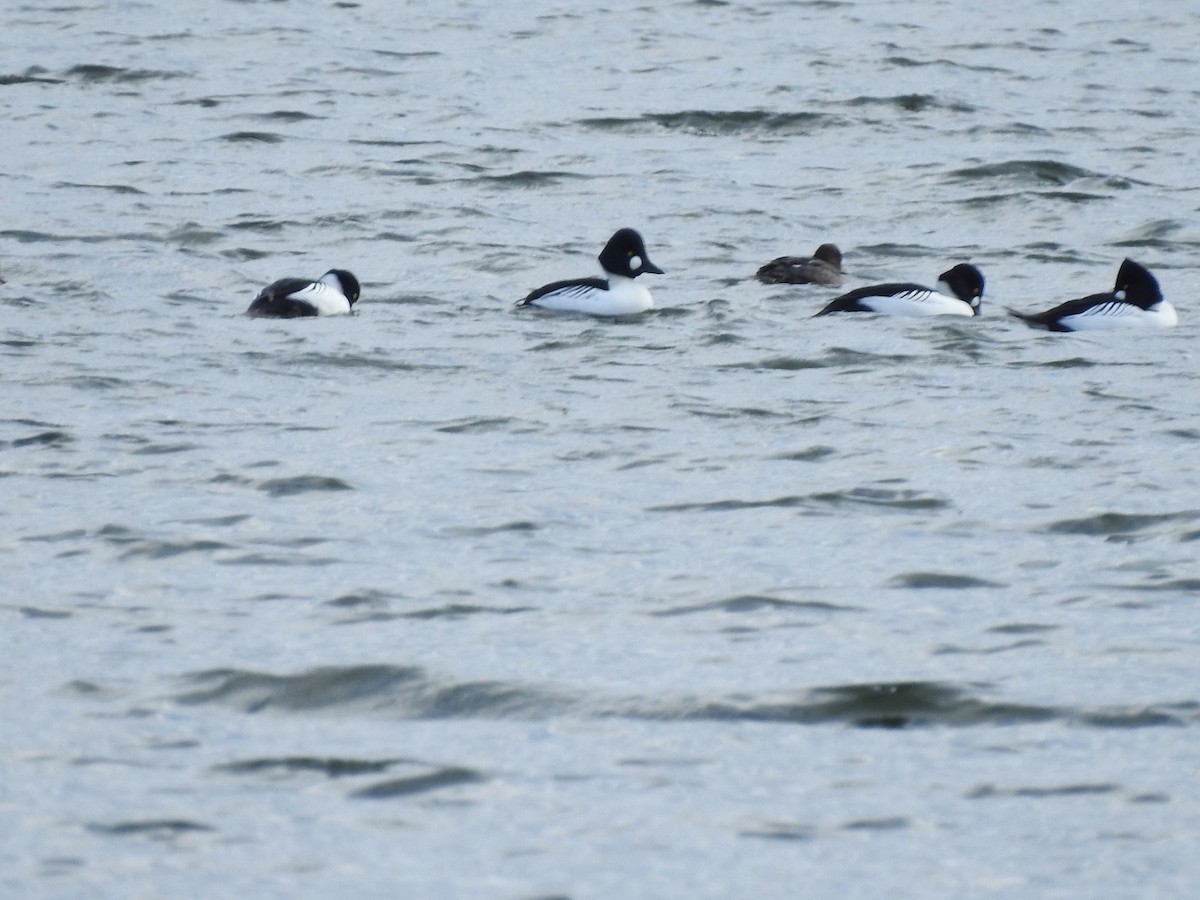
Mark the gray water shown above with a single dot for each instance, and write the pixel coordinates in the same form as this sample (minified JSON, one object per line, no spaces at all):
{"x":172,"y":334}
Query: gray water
{"x":444,"y":599}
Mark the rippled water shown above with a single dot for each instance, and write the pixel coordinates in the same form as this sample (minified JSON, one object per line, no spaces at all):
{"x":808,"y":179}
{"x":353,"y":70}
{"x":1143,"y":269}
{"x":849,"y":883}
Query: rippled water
{"x":443,"y":599}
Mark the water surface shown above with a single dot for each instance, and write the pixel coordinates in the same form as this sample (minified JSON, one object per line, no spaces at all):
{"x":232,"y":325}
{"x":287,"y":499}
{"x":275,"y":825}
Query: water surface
{"x":445,"y":599}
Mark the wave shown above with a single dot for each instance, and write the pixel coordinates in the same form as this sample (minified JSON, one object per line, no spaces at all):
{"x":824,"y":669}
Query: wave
{"x":252,"y":137}
{"x":406,"y":691}
{"x":1115,"y":524}
{"x":424,"y":779}
{"x":160,"y":829}
{"x":51,"y":438}
{"x":900,"y":500}
{"x":752,"y":603}
{"x":1038,"y":172}
{"x":940,"y":581}
{"x":284,"y":115}
{"x":30,"y":76}
{"x":302,"y":484}
{"x":1066,"y":790}
{"x":924,"y":704}
{"x":331,"y":767}
{"x":526,"y":179}
{"x":96,"y":73}
{"x":411,"y":692}
{"x":912,"y":103}
{"x":716,"y":122}
{"x":449,"y":776}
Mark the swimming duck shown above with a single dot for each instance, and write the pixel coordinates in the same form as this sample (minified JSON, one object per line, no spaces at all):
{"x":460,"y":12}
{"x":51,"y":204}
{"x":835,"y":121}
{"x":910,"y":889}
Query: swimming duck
{"x":1134,"y":302}
{"x":823,"y":267}
{"x":623,"y":259}
{"x":288,"y":298}
{"x":959,"y":292}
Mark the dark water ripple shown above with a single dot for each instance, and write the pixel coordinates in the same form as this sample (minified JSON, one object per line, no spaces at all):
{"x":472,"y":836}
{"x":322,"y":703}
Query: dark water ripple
{"x":925,"y":704}
{"x":1074,"y":362}
{"x":154,"y":829}
{"x":733,"y":505}
{"x":31,"y":76}
{"x":526,"y":180}
{"x":42,"y":439}
{"x":458,"y":531}
{"x":193,"y":234}
{"x":884,"y":498}
{"x":781,"y":831}
{"x":899,"y":705}
{"x":95,"y":73}
{"x":898,"y":500}
{"x":953,"y":650}
{"x":114,"y":188}
{"x":450,"y":612}
{"x":369,"y":599}
{"x":941,"y":581}
{"x":410,"y":692}
{"x":35,"y":613}
{"x":449,"y":776}
{"x":1114,"y":524}
{"x":463,"y":610}
{"x":254,"y":692}
{"x":717,"y":123}
{"x":987,"y":791}
{"x":302,"y":484}
{"x":405,"y":691}
{"x":329,"y":767}
{"x":1037,"y":172}
{"x":1170,"y":585}
{"x":285,"y":115}
{"x":835,"y":357}
{"x":169,"y":549}
{"x":912,"y":103}
{"x":29,"y":236}
{"x":253,"y":137}
{"x":753,"y":603}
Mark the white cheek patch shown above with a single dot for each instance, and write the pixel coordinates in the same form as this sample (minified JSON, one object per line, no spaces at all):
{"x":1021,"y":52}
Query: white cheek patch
{"x":1119,"y":295}
{"x":635,"y":262}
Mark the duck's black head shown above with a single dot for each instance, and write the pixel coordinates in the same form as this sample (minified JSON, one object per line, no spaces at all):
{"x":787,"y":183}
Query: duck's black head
{"x":1139,"y":286}
{"x":966,"y":283}
{"x":350,"y":285}
{"x":625,"y":254}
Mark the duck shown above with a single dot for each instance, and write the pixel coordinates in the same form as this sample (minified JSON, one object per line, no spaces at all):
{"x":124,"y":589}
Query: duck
{"x":959,"y":292}
{"x":289,"y":298}
{"x":623,"y":259}
{"x":823,"y":267}
{"x":1134,"y":302}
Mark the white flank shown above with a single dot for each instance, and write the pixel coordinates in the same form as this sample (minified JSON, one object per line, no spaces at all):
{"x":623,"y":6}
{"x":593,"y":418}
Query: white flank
{"x":918,"y":303}
{"x":624,"y":297}
{"x":1114,"y":315}
{"x":326,"y":300}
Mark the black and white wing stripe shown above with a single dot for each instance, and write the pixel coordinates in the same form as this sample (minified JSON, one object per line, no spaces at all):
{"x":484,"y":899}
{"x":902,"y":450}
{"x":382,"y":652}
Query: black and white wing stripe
{"x":877,"y":298}
{"x":574,"y":289}
{"x":291,"y":298}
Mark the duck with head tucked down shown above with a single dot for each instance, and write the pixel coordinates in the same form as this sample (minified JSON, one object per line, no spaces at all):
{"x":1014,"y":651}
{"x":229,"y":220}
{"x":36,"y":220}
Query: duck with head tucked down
{"x":289,"y":298}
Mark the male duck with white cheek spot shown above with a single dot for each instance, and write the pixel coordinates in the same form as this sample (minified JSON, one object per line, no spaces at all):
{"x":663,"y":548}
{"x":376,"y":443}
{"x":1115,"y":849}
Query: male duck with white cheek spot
{"x":623,"y":259}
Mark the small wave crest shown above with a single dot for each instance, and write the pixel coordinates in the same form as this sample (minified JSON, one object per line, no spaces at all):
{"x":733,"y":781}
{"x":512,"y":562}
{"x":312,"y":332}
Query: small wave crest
{"x":406,"y":691}
{"x":717,"y":123}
